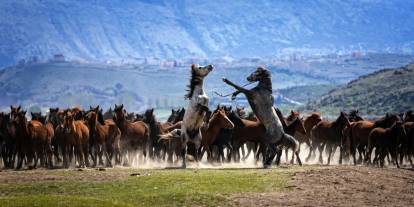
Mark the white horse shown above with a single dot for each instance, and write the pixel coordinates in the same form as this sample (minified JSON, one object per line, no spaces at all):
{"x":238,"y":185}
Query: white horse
{"x":195,"y":111}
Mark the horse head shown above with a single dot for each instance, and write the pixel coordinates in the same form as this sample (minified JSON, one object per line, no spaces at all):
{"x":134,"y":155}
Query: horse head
{"x":354,"y":116}
{"x":149,"y":116}
{"x":221,"y":120}
{"x":69,"y":123}
{"x":201,"y":71}
{"x":237,"y":121}
{"x":197,"y":75}
{"x":259,"y":75}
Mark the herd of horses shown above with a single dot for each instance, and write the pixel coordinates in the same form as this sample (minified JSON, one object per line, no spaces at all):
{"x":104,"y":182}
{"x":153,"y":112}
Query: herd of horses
{"x":91,"y":138}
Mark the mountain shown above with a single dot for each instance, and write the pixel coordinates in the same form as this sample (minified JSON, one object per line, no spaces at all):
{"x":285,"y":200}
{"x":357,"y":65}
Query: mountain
{"x":387,"y":90}
{"x":125,"y":30}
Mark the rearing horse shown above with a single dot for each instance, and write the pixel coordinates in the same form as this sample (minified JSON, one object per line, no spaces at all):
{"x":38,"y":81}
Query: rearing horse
{"x":261,"y":101}
{"x":196,"y":109}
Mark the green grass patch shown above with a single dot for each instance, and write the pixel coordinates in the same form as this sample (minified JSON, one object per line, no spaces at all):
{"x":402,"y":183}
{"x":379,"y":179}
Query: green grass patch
{"x":206,"y":187}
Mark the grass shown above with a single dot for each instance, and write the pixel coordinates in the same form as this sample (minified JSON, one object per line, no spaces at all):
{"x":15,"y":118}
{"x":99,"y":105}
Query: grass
{"x":204,"y":187}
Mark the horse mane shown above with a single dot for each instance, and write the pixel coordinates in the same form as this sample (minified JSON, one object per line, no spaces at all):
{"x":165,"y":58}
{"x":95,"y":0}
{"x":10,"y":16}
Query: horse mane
{"x":195,"y":80}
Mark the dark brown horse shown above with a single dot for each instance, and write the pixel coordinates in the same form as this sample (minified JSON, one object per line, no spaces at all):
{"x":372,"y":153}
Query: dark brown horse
{"x":7,"y":142}
{"x":134,"y":135}
{"x":385,"y":141}
{"x":328,"y":134}
{"x":294,"y":128}
{"x":156,"y":148}
{"x":20,"y":133}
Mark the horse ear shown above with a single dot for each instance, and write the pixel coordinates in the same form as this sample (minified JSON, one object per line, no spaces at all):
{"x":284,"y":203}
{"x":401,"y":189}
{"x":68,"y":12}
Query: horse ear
{"x":122,"y":106}
{"x":193,"y":66}
{"x":18,"y":108}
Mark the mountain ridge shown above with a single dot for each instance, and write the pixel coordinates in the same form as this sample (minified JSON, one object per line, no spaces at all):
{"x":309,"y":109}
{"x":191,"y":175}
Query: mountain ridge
{"x":118,"y":30}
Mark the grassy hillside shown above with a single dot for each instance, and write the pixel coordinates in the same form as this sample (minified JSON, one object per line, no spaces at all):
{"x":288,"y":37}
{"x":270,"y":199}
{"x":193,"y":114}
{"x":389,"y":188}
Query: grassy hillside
{"x":387,"y":90}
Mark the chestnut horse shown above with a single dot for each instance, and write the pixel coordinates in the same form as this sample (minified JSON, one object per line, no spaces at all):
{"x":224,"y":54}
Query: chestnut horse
{"x":209,"y":132}
{"x":359,"y":132}
{"x":310,"y":121}
{"x":134,"y":135}
{"x":328,"y":134}
{"x":104,"y":137}
{"x":76,"y":137}
{"x":41,"y":135}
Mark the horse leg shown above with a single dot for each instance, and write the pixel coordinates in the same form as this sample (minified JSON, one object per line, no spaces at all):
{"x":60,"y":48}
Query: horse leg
{"x":269,"y":155}
{"x":330,"y":149}
{"x":287,"y":155}
{"x":108,"y":160}
{"x":311,"y":149}
{"x":184,"y":151}
{"x":298,"y":158}
{"x":340,"y":154}
{"x":320,"y":148}
{"x":278,"y":156}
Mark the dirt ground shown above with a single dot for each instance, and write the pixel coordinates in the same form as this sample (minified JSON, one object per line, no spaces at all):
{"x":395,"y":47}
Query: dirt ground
{"x":311,"y":185}
{"x":340,"y":186}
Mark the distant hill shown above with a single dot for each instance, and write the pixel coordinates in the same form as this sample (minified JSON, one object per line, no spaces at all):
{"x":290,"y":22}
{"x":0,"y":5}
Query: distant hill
{"x":387,"y":90}
{"x":119,"y":30}
{"x":66,"y":84}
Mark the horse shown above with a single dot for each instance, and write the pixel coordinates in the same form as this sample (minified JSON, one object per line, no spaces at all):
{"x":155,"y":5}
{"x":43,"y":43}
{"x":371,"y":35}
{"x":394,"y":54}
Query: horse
{"x":359,"y":132}
{"x":309,"y":122}
{"x":385,"y":141}
{"x":7,"y":142}
{"x":55,"y":119}
{"x":76,"y":137}
{"x":41,"y":135}
{"x":292,"y":116}
{"x":408,"y":116}
{"x":195,"y":111}
{"x":261,"y":101}
{"x":134,"y":135}
{"x":328,"y":134}
{"x":104,"y":138}
{"x":294,"y":128}
{"x":156,"y":128}
{"x":211,"y":130}
{"x":21,"y":135}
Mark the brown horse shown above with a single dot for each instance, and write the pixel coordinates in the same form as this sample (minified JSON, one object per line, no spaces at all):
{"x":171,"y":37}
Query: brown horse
{"x":104,"y":137}
{"x":328,"y":134}
{"x":385,"y":141}
{"x":20,"y":133}
{"x":134,"y":135}
{"x":294,"y":128}
{"x":156,"y":148}
{"x":41,"y":142}
{"x":292,"y":116}
{"x":209,"y":132}
{"x":359,"y":132}
{"x":310,"y":121}
{"x":76,"y":136}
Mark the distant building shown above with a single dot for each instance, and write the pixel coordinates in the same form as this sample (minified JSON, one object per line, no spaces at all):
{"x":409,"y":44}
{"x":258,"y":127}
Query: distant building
{"x":58,"y":58}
